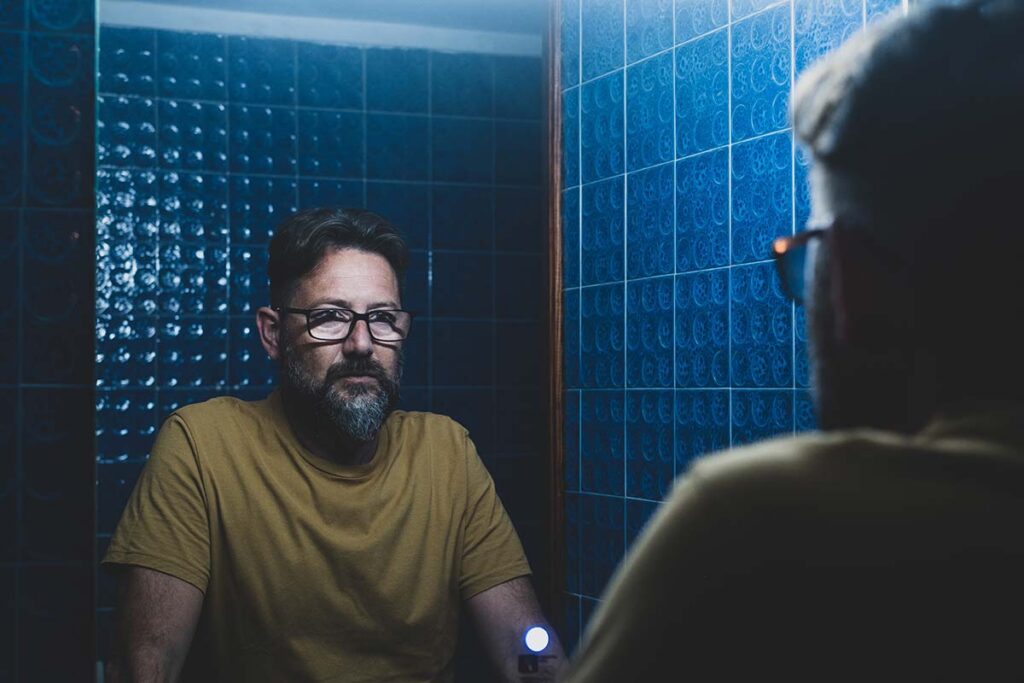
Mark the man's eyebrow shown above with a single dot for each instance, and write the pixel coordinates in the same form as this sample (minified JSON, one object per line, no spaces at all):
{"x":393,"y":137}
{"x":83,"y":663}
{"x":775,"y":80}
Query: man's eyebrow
{"x":342,"y":303}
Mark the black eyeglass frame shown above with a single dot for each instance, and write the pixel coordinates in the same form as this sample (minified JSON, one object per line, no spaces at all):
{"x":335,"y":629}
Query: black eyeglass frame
{"x":356,"y":317}
{"x":786,"y":246}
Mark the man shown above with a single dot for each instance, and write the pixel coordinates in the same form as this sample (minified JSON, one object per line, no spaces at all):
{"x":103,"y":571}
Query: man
{"x":318,"y":534}
{"x":890,"y":545}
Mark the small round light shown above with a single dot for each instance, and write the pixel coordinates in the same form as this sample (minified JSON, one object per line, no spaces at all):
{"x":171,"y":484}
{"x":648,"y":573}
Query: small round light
{"x":537,"y":639}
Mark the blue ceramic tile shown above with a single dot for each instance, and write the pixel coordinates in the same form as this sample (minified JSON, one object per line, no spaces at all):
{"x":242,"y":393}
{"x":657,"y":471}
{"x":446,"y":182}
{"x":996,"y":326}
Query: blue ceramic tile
{"x":697,"y":17}
{"x":520,"y":219}
{"x":602,"y":37}
{"x":12,"y":16}
{"x":649,"y":117}
{"x":758,"y":415}
{"x":638,"y":514}
{"x":518,"y":151}
{"x":193,"y":278}
{"x":194,"y":207}
{"x":12,"y":110}
{"x":262,"y":140}
{"x":601,"y":128}
{"x":461,"y":150}
{"x":804,"y":418}
{"x":115,"y":482}
{"x":10,"y":250}
{"x":338,"y":194}
{"x":528,"y":298}
{"x":518,"y":87}
{"x":650,"y":221}
{"x":331,"y":144}
{"x":571,"y":237}
{"x":192,"y":353}
{"x":57,"y":460}
{"x":473,"y":409}
{"x":649,"y":333}
{"x":399,"y":145}
{"x":127,"y":61}
{"x":762,"y":196}
{"x":125,"y":353}
{"x":802,"y":368}
{"x":193,"y":135}
{"x":330,"y":76}
{"x":258,"y":205}
{"x":396,"y":80}
{"x":462,"y":84}
{"x":760,"y":73}
{"x":571,"y":431}
{"x":191,"y":66}
{"x":56,"y":606}
{"x":8,"y":505}
{"x":588,"y":606}
{"x":820,"y":27}
{"x":463,"y":217}
{"x":601,"y":337}
{"x":248,"y":363}
{"x":702,"y":425}
{"x":649,"y":455}
{"x":463,"y":353}
{"x":570,"y":633}
{"x":62,"y":61}
{"x":261,"y":70}
{"x":603,"y":232}
{"x":250,"y":288}
{"x":59,"y":176}
{"x":876,"y":9}
{"x":702,"y":329}
{"x":742,"y":8}
{"x":416,"y":356}
{"x":573,"y":529}
{"x":416,"y":293}
{"x":406,"y":206}
{"x":518,"y":434}
{"x":462,"y":285}
{"x":602,"y":433}
{"x":571,"y":343}
{"x":65,"y":16}
{"x":571,"y":138}
{"x":702,"y":211}
{"x":702,"y":94}
{"x":414,"y":399}
{"x":569,"y":16}
{"x":518,"y":365}
{"x":126,"y":131}
{"x":801,"y":187}
{"x":602,"y":533}
{"x":648,"y":28}
{"x":761,"y":321}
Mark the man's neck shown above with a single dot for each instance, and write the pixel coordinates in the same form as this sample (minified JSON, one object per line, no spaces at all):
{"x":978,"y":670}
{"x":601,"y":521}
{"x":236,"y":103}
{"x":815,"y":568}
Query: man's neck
{"x":324,"y":441}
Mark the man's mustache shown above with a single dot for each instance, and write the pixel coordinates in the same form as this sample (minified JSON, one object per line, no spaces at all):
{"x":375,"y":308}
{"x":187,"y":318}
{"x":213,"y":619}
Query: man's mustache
{"x":366,"y":368}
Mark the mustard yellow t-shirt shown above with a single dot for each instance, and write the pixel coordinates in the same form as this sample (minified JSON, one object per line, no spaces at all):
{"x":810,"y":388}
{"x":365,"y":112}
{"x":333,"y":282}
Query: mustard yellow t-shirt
{"x":313,"y":570}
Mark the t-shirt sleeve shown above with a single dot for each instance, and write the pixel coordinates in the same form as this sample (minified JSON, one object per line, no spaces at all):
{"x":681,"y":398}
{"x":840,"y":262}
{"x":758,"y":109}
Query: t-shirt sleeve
{"x":492,"y":553}
{"x":165,"y":525}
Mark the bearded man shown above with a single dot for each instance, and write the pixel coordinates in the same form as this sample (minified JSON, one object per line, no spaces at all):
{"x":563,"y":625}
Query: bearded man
{"x":318,"y":534}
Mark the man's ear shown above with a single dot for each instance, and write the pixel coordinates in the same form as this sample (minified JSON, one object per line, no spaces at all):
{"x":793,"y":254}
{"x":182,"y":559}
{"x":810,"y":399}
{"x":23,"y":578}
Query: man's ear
{"x":268,"y":322}
{"x":866,"y":294}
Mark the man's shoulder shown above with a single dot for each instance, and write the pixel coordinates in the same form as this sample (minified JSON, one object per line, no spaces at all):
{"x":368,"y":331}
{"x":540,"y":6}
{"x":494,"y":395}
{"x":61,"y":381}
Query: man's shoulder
{"x":416,"y":420}
{"x":222,"y":412}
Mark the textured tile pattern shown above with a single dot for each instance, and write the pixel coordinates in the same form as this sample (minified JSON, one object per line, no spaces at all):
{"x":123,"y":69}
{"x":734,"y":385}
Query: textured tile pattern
{"x":679,"y":169}
{"x":47,"y":239}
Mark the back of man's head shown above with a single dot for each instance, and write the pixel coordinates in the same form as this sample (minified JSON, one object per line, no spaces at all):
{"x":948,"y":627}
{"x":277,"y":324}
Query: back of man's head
{"x":916,"y":128}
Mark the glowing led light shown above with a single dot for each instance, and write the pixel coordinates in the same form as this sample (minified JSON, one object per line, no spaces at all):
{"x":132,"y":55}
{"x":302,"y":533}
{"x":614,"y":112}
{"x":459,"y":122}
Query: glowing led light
{"x":537,"y":639}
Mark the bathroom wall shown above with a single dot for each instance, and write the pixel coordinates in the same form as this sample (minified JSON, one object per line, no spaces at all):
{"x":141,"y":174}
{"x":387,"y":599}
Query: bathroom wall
{"x":46,"y":397}
{"x":206,"y":141}
{"x":678,"y":170}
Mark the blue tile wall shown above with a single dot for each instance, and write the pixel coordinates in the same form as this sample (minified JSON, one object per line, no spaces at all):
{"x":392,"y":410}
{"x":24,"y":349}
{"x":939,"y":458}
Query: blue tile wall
{"x":678,"y":170}
{"x":206,"y":142}
{"x":47,"y":240}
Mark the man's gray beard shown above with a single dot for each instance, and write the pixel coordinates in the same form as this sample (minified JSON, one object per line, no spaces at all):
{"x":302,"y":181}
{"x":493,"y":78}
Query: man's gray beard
{"x":357,"y":417}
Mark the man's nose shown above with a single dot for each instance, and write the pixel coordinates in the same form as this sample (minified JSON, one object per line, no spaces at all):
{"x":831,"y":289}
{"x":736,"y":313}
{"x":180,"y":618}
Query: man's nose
{"x":359,"y":342}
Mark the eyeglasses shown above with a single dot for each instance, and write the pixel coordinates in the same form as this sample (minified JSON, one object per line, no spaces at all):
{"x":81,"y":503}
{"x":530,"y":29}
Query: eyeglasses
{"x":336,"y":324}
{"x":791,"y":260}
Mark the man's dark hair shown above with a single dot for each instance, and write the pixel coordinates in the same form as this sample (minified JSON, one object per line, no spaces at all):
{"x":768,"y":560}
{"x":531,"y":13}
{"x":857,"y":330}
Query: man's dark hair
{"x":302,"y":240}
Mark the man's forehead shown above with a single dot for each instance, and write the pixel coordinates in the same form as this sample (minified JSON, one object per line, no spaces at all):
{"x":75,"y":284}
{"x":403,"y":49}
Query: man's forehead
{"x":351,"y":274}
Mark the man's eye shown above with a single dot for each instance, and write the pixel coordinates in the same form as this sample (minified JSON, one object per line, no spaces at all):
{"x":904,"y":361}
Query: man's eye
{"x":382,"y":317}
{"x":325,"y":315}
